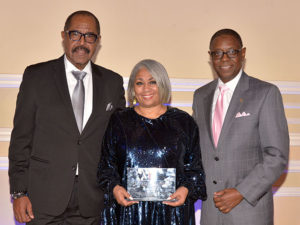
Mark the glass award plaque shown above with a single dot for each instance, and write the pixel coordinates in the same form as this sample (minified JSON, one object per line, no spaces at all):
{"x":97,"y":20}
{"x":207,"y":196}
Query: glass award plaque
{"x":151,"y":184}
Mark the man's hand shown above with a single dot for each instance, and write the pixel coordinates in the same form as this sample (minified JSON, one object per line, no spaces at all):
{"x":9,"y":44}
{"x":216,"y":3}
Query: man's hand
{"x":121,"y":194}
{"x":225,"y":200}
{"x":180,"y":196}
{"x":23,"y":209}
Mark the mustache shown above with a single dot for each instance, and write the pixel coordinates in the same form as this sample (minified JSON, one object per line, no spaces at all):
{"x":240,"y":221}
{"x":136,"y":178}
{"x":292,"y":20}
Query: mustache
{"x":81,"y":48}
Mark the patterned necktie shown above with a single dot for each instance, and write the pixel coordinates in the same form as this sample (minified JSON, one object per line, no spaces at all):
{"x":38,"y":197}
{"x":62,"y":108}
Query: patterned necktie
{"x":218,"y":115}
{"x":78,"y":98}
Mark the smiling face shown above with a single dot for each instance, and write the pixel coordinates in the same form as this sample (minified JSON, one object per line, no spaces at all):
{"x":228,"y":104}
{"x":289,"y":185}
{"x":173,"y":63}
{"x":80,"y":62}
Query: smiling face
{"x":227,"y":68}
{"x":80,"y":52}
{"x":146,"y":89}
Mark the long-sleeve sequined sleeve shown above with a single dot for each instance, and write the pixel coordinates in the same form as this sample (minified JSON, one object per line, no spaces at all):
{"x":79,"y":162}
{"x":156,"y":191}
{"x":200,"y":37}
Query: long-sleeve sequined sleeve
{"x":191,"y":173}
{"x":108,"y":173}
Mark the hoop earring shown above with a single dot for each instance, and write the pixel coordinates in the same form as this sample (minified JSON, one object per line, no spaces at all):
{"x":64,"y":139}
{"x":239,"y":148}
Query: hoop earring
{"x":134,"y":101}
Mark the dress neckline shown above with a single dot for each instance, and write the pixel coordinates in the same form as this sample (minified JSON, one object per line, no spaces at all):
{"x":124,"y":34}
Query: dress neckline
{"x":150,"y":119}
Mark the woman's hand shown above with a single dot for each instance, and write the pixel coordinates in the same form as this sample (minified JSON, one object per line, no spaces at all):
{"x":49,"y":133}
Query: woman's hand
{"x":121,"y":194}
{"x":180,"y":196}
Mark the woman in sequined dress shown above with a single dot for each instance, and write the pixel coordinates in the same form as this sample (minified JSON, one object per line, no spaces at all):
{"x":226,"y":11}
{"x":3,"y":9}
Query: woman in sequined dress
{"x":150,"y":134}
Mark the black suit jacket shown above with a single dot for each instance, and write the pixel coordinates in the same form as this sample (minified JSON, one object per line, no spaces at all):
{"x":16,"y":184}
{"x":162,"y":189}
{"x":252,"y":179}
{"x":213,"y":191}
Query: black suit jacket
{"x":46,"y":144}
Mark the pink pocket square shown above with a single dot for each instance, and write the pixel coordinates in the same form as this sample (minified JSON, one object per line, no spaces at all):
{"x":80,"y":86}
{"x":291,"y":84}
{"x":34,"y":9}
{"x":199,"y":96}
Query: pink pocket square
{"x":241,"y":114}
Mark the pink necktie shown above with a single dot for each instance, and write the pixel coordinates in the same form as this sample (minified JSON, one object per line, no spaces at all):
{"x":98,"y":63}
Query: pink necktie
{"x":218,"y":115}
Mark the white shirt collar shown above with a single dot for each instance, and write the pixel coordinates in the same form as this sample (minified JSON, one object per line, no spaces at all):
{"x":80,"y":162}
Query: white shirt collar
{"x":70,"y":67}
{"x":231,"y":84}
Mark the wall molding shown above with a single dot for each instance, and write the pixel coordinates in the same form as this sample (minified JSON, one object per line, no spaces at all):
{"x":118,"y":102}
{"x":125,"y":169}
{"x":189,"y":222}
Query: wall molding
{"x":5,"y":134}
{"x":293,"y":120}
{"x":178,"y":84}
{"x":294,"y":166}
{"x":295,"y":139}
{"x":10,"y":80}
{"x":286,"y":192}
{"x":3,"y":163}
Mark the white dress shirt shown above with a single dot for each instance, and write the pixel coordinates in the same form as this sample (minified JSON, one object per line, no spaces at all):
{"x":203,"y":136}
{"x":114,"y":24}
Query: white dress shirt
{"x":227,"y":95}
{"x":88,"y":89}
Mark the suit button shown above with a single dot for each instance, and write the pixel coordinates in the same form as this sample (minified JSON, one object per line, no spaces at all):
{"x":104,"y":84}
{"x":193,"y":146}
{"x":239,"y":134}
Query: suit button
{"x":217,"y":158}
{"x":79,"y":142}
{"x":73,"y":168}
{"x":215,"y":182}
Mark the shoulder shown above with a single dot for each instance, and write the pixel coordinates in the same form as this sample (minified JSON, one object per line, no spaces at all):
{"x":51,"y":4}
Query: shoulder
{"x":261,"y":86}
{"x":41,"y":70}
{"x":107,"y":73}
{"x":181,"y":116}
{"x":122,"y":114}
{"x":206,"y":88}
{"x":45,"y":65}
{"x":175,"y":112}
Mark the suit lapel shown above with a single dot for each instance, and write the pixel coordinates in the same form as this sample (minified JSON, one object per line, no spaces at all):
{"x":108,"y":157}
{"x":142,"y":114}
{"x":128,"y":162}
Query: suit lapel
{"x":98,"y":95}
{"x":208,"y":101}
{"x":234,"y":106}
{"x":62,"y":87}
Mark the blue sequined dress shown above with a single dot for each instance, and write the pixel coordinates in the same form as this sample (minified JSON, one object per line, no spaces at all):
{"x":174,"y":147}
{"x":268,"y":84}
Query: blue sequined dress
{"x":170,"y":141}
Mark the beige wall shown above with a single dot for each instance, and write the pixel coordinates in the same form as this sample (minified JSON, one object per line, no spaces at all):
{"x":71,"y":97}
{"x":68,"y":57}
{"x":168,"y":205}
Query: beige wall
{"x":174,"y":32}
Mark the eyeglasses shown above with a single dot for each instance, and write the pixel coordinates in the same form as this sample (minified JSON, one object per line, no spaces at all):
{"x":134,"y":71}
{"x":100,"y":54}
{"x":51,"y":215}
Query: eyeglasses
{"x":89,"y":37}
{"x":231,"y":53}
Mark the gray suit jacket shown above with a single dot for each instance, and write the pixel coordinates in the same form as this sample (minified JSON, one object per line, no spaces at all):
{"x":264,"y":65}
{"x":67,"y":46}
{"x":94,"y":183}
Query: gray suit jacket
{"x":251,"y":154}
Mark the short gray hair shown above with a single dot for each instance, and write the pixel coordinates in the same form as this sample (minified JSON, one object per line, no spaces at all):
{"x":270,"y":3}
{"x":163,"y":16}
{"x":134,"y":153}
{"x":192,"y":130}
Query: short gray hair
{"x":158,"y":72}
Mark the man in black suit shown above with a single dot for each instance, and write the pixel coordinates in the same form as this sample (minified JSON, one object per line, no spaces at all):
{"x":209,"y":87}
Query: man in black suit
{"x":54,"y":151}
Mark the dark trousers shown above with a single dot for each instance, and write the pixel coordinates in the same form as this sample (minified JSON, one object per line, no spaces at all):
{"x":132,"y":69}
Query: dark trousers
{"x":71,"y":216}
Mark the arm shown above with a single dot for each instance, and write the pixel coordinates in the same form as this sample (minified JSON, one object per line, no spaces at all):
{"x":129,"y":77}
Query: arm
{"x":20,"y":147}
{"x":190,"y":177}
{"x":274,"y":139}
{"x":108,"y":175}
{"x":108,"y":170}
